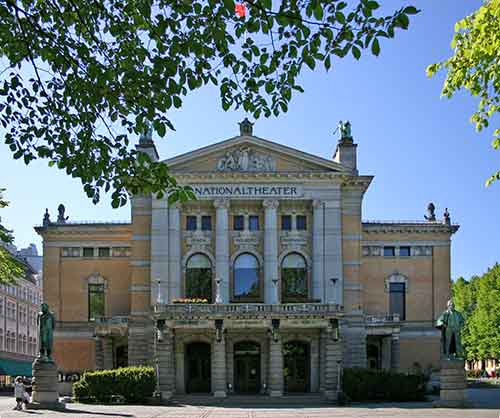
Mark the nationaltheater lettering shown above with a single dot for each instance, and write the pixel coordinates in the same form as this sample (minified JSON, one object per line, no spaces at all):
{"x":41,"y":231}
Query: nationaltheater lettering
{"x":248,"y":191}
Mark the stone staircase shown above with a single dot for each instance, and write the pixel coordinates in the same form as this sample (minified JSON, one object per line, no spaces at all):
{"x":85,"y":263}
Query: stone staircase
{"x":247,"y":401}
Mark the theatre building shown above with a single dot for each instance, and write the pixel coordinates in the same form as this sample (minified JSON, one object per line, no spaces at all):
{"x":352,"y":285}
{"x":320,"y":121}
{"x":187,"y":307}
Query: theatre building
{"x":268,"y":283}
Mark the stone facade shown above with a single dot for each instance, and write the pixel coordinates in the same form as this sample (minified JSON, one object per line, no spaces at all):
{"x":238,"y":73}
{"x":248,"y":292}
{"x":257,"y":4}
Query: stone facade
{"x":303,"y":286}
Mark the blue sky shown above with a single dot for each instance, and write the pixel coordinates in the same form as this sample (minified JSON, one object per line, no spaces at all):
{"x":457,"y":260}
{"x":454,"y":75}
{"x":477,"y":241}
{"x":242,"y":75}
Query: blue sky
{"x":419,"y":147}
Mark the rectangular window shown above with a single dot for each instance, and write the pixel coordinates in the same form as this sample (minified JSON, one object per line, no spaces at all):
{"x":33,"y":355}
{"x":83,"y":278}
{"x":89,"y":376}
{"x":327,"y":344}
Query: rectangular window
{"x":96,"y":301}
{"x":404,"y":251}
{"x":238,"y":222}
{"x":253,"y":222}
{"x":104,"y":251}
{"x":286,"y":222}
{"x":389,"y":251}
{"x":191,"y":223}
{"x":206,"y":223}
{"x":71,"y":252}
{"x":121,"y":251}
{"x":301,"y":223}
{"x":397,"y":302}
{"x":88,"y":252}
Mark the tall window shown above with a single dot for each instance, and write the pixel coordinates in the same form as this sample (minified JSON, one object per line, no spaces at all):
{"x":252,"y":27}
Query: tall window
{"x":301,"y":222}
{"x":238,"y":222}
{"x":206,"y":223}
{"x":103,"y":251}
{"x":294,"y":277}
{"x":199,"y":277}
{"x":253,"y":222}
{"x":246,"y":277}
{"x":96,"y":301}
{"x":286,"y":222}
{"x":404,"y":251}
{"x":397,"y":302}
{"x":191,"y":223}
{"x":389,"y":251}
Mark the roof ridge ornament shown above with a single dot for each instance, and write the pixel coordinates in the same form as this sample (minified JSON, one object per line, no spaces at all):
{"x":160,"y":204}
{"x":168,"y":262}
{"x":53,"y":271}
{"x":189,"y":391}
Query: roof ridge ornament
{"x":246,"y":127}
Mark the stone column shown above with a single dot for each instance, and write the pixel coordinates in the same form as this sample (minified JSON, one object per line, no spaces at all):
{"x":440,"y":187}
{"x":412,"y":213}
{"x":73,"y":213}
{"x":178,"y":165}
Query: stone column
{"x":219,"y":383}
{"x":174,"y":254}
{"x":159,"y":250}
{"x":271,"y":295}
{"x":386,"y":352}
{"x":166,"y":364}
{"x":222,"y":246}
{"x":99,"y":355}
{"x":107,"y":351}
{"x":276,"y":378}
{"x":395,"y":352}
{"x":317,"y":257}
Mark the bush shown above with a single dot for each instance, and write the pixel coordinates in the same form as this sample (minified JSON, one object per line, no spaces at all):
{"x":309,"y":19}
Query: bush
{"x":383,"y":385}
{"x":134,"y":384}
{"x":474,"y":373}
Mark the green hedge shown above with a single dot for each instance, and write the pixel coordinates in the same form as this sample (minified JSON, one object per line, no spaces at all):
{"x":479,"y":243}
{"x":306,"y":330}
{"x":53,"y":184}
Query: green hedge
{"x":383,"y":385}
{"x":134,"y":384}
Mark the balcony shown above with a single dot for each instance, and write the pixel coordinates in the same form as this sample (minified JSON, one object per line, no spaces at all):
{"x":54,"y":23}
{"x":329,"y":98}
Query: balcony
{"x":248,"y":311}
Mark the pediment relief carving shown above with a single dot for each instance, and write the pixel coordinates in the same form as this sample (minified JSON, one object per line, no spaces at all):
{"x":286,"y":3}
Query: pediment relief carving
{"x":245,"y":159}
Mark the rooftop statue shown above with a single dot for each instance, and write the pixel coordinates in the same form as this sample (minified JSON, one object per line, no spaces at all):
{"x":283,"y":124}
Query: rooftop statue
{"x":446,"y":217}
{"x":46,"y":218}
{"x":431,"y":215}
{"x":451,"y":322}
{"x":46,"y":324}
{"x":61,"y":219}
{"x":344,"y":129}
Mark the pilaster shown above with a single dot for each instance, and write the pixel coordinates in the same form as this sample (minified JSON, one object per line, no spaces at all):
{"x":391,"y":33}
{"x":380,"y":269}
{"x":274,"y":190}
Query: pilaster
{"x":395,"y":352}
{"x":276,"y":379}
{"x":271,"y":294}
{"x":333,"y":358}
{"x":107,"y":351}
{"x":174,"y":251}
{"x":318,"y":246}
{"x":219,"y":382}
{"x":222,"y":246}
{"x":166,"y":364}
{"x":159,"y":251}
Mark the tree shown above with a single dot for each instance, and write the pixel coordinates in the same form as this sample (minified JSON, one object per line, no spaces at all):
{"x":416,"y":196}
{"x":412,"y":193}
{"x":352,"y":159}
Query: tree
{"x":10,"y":267}
{"x":475,"y":66}
{"x":479,"y":301}
{"x":82,"y":77}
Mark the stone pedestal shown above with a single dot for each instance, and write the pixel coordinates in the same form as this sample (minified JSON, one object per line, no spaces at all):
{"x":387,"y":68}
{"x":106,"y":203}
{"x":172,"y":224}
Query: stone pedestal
{"x":45,"y":394}
{"x":453,"y":384}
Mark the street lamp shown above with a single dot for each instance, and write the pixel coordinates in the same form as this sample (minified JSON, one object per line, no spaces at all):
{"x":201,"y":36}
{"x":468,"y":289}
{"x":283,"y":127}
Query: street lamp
{"x":334,"y":281}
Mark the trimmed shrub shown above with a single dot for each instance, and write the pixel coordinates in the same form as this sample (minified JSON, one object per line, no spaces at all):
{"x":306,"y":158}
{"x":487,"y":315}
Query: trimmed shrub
{"x":383,"y":385}
{"x":134,"y":384}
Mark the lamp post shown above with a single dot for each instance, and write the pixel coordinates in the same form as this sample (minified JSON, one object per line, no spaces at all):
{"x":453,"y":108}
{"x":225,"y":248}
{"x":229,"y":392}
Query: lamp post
{"x":334,"y":281}
{"x":159,"y":325}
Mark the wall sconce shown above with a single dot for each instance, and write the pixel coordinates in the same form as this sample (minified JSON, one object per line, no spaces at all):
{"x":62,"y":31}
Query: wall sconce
{"x":160,"y":327}
{"x":219,"y":323}
{"x":334,"y":329}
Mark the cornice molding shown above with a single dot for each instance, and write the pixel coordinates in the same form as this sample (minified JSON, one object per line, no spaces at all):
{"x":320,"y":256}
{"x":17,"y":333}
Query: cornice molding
{"x":403,"y":227}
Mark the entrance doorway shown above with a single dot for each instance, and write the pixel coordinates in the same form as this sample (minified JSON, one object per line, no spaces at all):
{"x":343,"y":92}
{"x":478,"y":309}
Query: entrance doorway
{"x":247,"y":367}
{"x":198,"y":368}
{"x":297,"y":360}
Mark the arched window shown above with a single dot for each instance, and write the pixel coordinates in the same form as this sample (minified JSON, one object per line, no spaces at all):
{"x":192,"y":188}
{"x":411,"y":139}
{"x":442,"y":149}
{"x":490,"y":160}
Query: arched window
{"x":199,"y":277}
{"x":246,"y":277}
{"x":294,"y":277}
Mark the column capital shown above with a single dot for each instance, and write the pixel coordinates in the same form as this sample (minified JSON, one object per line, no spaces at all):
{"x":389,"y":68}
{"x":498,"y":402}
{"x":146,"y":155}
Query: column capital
{"x":221,"y":203}
{"x":270,"y":203}
{"x":317,"y":203}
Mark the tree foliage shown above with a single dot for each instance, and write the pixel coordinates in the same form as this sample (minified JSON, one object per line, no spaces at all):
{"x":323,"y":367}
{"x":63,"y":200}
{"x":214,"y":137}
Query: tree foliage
{"x":10,"y":267}
{"x":475,"y":66}
{"x":83,"y":77}
{"x":479,"y":300}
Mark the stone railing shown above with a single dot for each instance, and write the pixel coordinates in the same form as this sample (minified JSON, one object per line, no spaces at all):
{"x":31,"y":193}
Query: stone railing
{"x":381,"y":319}
{"x":114,"y":320}
{"x":113,"y":326}
{"x":247,"y":310}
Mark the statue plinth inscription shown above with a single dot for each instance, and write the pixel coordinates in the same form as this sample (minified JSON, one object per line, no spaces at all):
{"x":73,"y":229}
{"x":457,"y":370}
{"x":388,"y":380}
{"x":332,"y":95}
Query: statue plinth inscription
{"x":45,"y":394}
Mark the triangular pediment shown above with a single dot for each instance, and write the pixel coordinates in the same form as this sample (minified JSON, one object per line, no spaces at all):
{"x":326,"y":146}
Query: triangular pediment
{"x":251,"y":154}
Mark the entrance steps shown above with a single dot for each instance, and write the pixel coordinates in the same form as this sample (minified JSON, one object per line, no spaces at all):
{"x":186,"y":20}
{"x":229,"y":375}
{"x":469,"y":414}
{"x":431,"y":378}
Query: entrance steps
{"x":247,"y":401}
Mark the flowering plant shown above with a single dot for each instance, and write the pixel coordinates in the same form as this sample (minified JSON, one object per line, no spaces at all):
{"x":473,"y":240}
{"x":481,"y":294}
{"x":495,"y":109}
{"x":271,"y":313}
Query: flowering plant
{"x":190,"y":300}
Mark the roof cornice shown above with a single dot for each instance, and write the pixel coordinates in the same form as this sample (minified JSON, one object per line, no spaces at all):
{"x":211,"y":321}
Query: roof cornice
{"x":408,"y":227}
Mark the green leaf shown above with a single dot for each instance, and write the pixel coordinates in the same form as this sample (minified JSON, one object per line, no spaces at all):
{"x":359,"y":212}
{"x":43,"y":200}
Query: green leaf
{"x":375,"y":47}
{"x":356,"y":53}
{"x":410,"y":10}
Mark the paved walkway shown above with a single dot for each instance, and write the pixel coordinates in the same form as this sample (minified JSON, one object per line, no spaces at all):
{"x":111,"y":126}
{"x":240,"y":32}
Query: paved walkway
{"x":487,"y":405}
